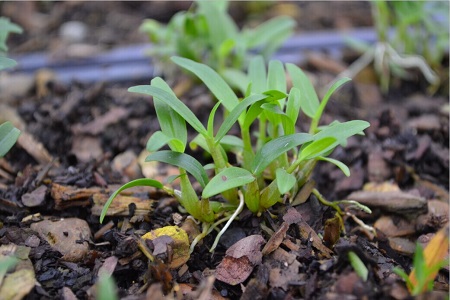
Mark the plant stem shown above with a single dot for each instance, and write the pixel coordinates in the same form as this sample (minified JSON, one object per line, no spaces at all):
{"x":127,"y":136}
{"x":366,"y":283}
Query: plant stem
{"x":236,"y":212}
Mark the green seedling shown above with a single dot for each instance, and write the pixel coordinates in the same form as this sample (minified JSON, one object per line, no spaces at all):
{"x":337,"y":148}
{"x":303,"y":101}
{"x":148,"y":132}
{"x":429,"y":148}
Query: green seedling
{"x":419,"y":39}
{"x":273,"y":162}
{"x":358,"y":265}
{"x":206,"y":33}
{"x":6,"y":27}
{"x":8,"y":133}
{"x":426,"y":264}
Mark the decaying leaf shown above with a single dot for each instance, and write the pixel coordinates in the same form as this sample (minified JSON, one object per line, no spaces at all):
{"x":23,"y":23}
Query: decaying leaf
{"x":240,"y":259}
{"x":179,"y":244}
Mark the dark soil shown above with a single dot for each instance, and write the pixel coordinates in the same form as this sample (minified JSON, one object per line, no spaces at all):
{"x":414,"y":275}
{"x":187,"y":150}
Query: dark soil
{"x":405,"y":147}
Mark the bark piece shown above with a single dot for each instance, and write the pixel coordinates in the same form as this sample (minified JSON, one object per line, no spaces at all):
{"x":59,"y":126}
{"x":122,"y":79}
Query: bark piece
{"x":240,"y":259}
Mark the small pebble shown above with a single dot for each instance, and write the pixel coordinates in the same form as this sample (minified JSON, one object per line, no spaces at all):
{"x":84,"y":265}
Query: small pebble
{"x":73,"y":31}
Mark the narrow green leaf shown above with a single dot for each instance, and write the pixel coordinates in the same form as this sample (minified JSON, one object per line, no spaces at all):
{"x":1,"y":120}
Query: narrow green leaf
{"x":336,"y":85}
{"x":182,"y":160}
{"x":227,"y":179}
{"x":212,"y":114}
{"x":220,"y":89}
{"x":234,"y":115}
{"x":172,"y":124}
{"x":236,"y":79}
{"x":173,"y":102}
{"x":8,"y":137}
{"x":358,"y":265}
{"x":6,"y":63}
{"x":337,"y":163}
{"x":257,"y":74}
{"x":293,"y":104}
{"x":273,"y":149}
{"x":232,"y":141}
{"x":342,"y":131}
{"x":136,"y":182}
{"x":269,"y":30}
{"x":106,"y":289}
{"x":308,"y":97}
{"x":159,"y":139}
{"x":285,"y":181}
{"x":276,"y":78}
{"x":317,"y":148}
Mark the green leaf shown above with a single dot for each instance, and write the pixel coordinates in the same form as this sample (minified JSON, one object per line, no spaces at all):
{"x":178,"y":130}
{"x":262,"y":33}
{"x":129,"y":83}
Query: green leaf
{"x":136,"y":182}
{"x":211,"y":117}
{"x":273,"y":149}
{"x":285,"y":181}
{"x":317,"y":148}
{"x":342,"y":131}
{"x":227,"y":179}
{"x":325,"y":100}
{"x":293,"y":104}
{"x":257,"y":74}
{"x":159,"y":139}
{"x":234,"y":115}
{"x":182,"y":160}
{"x":308,"y":97}
{"x":6,"y":63}
{"x":232,"y":141}
{"x":8,"y":137}
{"x":172,"y":124}
{"x":106,"y":289}
{"x":236,"y":79}
{"x":276,"y":78}
{"x":337,"y":163}
{"x":212,"y":80}
{"x":174,"y":103}
{"x":275,"y":115}
{"x":267,"y":31}
{"x":358,"y":265}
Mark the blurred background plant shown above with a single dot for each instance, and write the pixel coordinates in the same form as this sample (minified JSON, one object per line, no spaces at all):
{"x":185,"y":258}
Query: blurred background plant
{"x":206,"y":33}
{"x":411,"y":34}
{"x":8,"y":133}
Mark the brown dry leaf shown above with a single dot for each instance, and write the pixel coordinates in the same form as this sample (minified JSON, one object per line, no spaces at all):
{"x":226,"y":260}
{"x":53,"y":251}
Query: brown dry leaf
{"x":332,"y":231}
{"x":276,"y":239}
{"x":307,"y":232}
{"x":286,"y":272}
{"x":391,"y":229}
{"x":234,"y":270}
{"x":240,"y":259}
{"x":179,"y":244}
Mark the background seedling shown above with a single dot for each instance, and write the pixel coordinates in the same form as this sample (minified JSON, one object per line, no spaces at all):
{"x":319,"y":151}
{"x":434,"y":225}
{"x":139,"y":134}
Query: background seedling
{"x":419,"y":39}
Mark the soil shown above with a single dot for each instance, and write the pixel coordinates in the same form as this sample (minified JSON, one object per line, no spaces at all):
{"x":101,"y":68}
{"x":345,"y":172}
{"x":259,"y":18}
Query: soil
{"x":94,"y":134}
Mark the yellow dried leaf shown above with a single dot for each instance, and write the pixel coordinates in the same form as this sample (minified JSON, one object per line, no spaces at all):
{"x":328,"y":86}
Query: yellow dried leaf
{"x":180,"y":245}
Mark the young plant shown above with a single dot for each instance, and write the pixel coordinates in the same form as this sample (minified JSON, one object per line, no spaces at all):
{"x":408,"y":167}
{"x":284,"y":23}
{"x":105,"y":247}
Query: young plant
{"x":411,"y":34}
{"x":8,"y":133}
{"x":206,"y":33}
{"x":426,"y":264}
{"x":278,"y":163}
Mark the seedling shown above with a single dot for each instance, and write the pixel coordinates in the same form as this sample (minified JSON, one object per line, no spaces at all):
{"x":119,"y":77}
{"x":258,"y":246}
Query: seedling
{"x":426,"y":264}
{"x":278,"y":163}
{"x":419,"y":39}
{"x":8,"y":133}
{"x":206,"y":33}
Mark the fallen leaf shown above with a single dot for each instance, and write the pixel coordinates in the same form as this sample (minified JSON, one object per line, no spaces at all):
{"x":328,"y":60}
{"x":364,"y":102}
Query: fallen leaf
{"x":240,"y":259}
{"x":179,"y":244}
